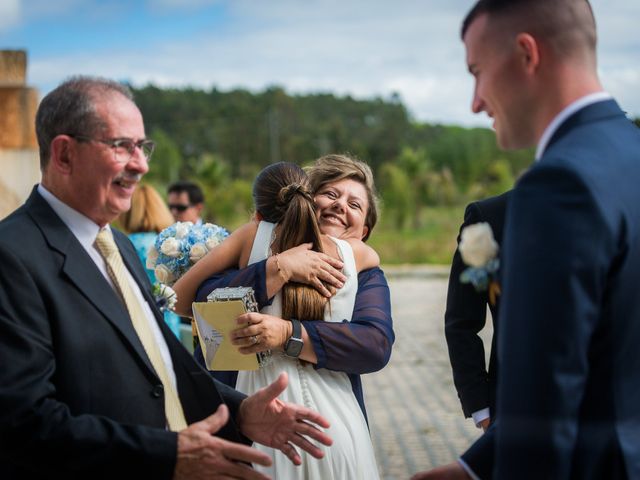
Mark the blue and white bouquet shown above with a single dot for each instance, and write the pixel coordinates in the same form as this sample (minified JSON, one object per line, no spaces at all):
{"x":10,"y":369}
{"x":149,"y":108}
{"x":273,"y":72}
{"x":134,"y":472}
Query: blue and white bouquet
{"x":181,"y":245}
{"x":479,"y":249}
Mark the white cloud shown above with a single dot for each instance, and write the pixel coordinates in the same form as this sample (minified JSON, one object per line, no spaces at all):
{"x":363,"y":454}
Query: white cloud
{"x":38,"y":9}
{"x":9,"y":14}
{"x":179,"y":4}
{"x":363,"y":48}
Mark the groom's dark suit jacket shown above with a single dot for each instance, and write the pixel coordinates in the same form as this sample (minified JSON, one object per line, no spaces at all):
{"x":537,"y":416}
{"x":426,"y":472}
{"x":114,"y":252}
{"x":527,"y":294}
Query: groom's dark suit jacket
{"x":569,"y":381}
{"x":78,"y":395}
{"x":466,"y":315}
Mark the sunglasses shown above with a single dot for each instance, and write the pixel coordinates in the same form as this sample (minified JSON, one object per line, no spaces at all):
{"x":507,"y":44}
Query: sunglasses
{"x":178,"y":207}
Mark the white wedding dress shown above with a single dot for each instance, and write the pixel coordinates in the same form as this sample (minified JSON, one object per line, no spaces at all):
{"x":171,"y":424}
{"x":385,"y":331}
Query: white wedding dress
{"x":351,"y":456}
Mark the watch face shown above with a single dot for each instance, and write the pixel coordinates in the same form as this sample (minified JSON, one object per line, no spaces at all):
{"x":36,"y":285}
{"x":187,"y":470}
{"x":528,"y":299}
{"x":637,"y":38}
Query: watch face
{"x":294,"y":347}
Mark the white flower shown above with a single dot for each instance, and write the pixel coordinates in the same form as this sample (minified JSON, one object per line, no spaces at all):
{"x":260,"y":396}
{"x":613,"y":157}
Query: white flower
{"x":171,"y":248}
{"x":163,"y":274}
{"x":477,"y":245}
{"x":212,"y":242}
{"x":152,"y":258}
{"x":166,"y":296}
{"x":197,"y":251}
{"x":183,"y":228}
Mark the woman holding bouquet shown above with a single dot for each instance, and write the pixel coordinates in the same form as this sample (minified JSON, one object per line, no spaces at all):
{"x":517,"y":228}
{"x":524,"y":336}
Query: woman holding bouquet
{"x":335,"y":391}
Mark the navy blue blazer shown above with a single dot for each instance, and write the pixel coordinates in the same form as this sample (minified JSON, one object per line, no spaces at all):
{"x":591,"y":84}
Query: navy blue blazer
{"x":569,"y":384}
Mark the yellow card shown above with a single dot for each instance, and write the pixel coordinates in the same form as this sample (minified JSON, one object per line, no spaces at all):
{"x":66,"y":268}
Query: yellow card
{"x":214,"y":322}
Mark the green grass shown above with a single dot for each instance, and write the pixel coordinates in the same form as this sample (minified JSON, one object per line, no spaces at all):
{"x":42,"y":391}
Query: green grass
{"x":434,"y":242}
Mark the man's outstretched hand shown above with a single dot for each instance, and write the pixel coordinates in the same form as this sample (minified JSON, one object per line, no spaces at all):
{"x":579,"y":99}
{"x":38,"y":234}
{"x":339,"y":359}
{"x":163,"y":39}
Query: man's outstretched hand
{"x":266,"y":419}
{"x":201,"y":455}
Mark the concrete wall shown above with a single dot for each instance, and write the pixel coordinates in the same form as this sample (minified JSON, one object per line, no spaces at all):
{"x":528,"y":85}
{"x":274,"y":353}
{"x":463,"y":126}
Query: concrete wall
{"x":20,"y":172}
{"x":19,"y":162}
{"x":13,"y":68}
{"x":18,"y":107}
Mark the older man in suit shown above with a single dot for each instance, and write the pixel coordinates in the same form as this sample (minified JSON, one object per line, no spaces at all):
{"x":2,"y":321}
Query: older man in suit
{"x":569,"y":382}
{"x":92,"y":383}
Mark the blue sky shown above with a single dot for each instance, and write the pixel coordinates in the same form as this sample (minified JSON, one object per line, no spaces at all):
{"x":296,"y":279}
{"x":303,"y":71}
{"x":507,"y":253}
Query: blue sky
{"x":364,"y":48}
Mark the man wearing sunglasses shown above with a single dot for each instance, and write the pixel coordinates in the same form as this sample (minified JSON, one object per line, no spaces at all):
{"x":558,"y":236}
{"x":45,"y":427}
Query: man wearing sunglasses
{"x":186,"y":202}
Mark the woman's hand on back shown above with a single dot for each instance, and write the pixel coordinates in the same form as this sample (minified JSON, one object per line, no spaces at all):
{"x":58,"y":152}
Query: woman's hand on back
{"x":303,"y":265}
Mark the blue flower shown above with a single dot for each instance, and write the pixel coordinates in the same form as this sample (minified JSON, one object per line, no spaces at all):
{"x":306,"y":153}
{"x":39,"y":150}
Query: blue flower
{"x":181,"y":245}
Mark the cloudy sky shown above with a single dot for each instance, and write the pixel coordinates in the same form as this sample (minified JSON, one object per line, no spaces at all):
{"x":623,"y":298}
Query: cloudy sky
{"x":364,"y":48}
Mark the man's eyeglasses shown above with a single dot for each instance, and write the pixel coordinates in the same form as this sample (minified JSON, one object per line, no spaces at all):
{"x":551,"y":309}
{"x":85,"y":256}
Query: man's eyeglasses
{"x":178,"y":207}
{"x":123,"y":147}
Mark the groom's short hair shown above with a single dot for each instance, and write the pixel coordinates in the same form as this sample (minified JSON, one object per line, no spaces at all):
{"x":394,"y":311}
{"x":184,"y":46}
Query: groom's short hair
{"x":567,"y":26}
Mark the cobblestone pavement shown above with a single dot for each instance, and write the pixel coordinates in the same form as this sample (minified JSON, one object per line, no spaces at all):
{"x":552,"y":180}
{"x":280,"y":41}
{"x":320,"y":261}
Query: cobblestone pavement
{"x":414,"y":413}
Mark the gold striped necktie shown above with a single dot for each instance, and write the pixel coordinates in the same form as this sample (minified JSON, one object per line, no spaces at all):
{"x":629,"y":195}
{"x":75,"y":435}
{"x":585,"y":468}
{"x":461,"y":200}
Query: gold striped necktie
{"x":116,"y":269}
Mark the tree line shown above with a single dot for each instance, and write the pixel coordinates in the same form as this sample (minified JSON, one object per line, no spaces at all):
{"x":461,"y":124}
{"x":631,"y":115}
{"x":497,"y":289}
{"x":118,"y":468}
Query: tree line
{"x":222,"y":139}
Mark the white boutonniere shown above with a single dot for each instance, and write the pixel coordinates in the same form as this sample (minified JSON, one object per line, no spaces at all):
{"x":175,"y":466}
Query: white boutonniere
{"x":479,"y":249}
{"x":165,"y":297}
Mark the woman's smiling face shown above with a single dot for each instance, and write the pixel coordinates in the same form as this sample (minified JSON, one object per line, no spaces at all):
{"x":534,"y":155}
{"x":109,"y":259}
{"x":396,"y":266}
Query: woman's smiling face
{"x":341,"y":208}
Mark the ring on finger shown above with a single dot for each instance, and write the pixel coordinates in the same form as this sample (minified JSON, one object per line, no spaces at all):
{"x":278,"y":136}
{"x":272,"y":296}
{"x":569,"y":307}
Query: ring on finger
{"x":254,"y":339}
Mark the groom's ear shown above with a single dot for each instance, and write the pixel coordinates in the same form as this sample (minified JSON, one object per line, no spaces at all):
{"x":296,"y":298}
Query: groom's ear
{"x":528,"y":50}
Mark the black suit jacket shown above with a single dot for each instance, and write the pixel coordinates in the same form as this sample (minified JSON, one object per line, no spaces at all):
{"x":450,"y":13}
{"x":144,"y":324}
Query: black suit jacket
{"x":78,"y":395}
{"x":569,"y":382}
{"x":466,"y":315}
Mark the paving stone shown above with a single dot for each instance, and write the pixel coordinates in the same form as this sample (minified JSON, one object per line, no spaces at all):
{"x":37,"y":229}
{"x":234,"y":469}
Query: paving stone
{"x":415,"y":416}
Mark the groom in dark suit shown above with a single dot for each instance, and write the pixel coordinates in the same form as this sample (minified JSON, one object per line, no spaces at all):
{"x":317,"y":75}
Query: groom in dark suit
{"x":466,"y":315}
{"x":569,"y":382}
{"x":92,"y":382}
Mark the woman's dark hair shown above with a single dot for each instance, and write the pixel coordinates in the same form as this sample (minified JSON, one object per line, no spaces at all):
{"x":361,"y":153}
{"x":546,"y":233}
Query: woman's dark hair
{"x":282,"y":195}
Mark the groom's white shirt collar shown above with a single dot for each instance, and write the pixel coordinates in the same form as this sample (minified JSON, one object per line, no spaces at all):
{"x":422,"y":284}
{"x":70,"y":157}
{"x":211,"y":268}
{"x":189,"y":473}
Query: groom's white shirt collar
{"x":566,"y":113}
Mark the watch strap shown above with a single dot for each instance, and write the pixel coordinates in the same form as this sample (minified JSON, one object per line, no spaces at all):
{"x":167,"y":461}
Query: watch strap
{"x":293,"y":346}
{"x":297,"y":329}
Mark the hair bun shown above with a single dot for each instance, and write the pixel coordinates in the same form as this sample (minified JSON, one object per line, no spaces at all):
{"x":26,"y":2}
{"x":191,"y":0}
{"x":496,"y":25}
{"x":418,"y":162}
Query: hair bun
{"x":286,"y":193}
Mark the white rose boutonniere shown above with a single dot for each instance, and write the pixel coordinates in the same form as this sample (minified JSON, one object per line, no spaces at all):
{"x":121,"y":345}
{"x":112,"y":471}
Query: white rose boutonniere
{"x":165,"y":297}
{"x":479,"y":249}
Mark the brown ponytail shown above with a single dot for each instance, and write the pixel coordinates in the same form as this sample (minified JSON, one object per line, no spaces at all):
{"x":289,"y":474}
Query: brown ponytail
{"x":281,"y":194}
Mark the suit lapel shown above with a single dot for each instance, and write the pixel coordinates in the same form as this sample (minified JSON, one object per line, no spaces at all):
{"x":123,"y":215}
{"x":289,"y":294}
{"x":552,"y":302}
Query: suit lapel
{"x":82,"y":272}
